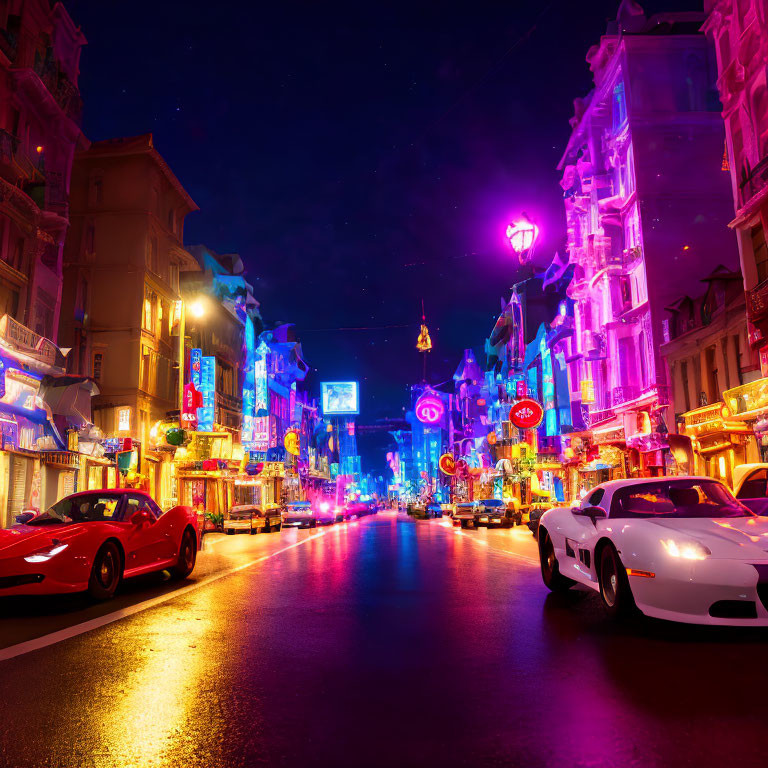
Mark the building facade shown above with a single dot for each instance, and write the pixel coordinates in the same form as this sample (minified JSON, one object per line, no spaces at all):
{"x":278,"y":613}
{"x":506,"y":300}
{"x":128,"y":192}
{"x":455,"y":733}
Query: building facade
{"x":121,"y":299}
{"x":647,"y":209}
{"x":40,"y":113}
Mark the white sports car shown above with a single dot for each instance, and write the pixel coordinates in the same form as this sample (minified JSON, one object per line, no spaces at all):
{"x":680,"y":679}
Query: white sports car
{"x":678,"y":548}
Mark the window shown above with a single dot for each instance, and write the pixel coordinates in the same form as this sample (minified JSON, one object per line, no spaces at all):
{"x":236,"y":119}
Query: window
{"x":594,"y":499}
{"x":152,"y":255}
{"x":173,"y":279}
{"x":689,"y":498}
{"x":146,"y":368}
{"x":98,"y":360}
{"x":755,"y":486}
{"x":96,"y":188}
{"x":123,"y":419}
{"x":150,"y":308}
{"x":619,"y":106}
{"x":761,"y":253}
{"x":138,"y":503}
{"x":80,"y":509}
{"x":171,"y":219}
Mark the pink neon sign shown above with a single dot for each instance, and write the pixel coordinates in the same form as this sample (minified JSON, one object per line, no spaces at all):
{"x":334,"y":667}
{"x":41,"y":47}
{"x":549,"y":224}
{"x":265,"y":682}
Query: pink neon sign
{"x":429,"y":408}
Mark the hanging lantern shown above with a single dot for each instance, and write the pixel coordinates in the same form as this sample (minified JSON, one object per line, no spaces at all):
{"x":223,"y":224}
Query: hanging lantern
{"x":424,"y":342}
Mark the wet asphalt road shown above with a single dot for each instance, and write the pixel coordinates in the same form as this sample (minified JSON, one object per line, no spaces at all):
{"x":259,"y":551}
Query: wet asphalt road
{"x":385,"y":642}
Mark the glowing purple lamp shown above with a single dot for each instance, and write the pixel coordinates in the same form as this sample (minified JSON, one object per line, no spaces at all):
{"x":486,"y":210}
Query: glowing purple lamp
{"x":522,"y":235}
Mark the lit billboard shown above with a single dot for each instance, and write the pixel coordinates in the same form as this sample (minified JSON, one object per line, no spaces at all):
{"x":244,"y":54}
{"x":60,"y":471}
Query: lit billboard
{"x":340,"y":398}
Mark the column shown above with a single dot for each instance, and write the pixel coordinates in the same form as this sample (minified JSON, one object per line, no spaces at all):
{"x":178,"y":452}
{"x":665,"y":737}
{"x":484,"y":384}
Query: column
{"x":723,"y":376}
{"x":732,"y":355}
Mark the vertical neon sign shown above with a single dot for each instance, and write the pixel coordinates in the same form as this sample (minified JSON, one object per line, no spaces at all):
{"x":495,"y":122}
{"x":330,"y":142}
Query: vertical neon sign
{"x":208,"y":390}
{"x":261,"y":405}
{"x":249,"y":386}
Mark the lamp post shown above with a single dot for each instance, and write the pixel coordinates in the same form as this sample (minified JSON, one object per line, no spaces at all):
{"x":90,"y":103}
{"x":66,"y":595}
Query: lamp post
{"x":197,"y":308}
{"x":522,"y":236}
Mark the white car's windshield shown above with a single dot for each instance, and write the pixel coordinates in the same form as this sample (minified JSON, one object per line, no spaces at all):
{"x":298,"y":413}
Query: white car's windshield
{"x":677,"y":498}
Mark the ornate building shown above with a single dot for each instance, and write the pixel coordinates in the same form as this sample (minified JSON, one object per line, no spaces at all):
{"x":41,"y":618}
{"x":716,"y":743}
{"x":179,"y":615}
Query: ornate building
{"x":40,"y":110}
{"x":647,"y":206}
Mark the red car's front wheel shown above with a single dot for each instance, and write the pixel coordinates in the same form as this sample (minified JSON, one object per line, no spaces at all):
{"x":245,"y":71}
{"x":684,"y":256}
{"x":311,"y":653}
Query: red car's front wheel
{"x":187,"y":555}
{"x":105,"y":572}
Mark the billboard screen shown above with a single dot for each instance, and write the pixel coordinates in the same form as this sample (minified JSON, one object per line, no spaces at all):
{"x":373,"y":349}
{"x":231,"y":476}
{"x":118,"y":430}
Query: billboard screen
{"x":340,"y":398}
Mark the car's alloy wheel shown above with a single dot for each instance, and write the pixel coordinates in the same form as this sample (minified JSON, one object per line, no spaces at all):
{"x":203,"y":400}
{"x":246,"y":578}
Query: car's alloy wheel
{"x":615,"y":591}
{"x":187,"y":555}
{"x":105,"y":572}
{"x":550,"y":568}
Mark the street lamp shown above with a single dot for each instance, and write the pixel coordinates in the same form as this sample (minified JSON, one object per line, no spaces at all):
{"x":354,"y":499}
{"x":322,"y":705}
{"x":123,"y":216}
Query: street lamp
{"x":197,"y":309}
{"x":522,"y":235}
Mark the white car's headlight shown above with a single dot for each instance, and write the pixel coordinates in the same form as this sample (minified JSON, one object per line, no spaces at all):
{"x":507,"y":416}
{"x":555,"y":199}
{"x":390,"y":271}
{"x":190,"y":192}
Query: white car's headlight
{"x":46,"y":554}
{"x":687,"y":550}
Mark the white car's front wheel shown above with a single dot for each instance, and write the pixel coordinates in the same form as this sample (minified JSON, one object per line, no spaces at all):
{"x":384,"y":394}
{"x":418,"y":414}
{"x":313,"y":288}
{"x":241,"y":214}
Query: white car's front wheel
{"x":615,"y":591}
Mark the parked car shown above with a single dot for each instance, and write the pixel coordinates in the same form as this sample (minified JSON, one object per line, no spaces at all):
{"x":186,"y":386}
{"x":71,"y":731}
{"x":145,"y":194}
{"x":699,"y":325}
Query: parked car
{"x":678,"y":548}
{"x":250,"y":518}
{"x":324,"y":512}
{"x":448,"y":509}
{"x":428,"y":510}
{"x":465,"y":514}
{"x":298,"y":514}
{"x":356,"y":509}
{"x":92,"y":540}
{"x":750,"y":486}
{"x":535,"y":511}
{"x":493,"y":513}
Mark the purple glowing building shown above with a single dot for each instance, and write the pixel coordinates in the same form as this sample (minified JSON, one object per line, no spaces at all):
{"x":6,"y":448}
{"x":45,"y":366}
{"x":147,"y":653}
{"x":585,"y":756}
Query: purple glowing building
{"x":647,"y":207}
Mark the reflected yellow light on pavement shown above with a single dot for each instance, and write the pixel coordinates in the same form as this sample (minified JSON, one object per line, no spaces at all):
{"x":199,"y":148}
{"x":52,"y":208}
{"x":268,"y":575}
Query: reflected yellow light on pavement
{"x":152,"y":710}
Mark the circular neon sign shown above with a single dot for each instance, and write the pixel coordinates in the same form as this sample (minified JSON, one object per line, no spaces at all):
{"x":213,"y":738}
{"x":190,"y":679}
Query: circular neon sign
{"x":447,"y":464}
{"x":526,"y":414}
{"x":429,"y":408}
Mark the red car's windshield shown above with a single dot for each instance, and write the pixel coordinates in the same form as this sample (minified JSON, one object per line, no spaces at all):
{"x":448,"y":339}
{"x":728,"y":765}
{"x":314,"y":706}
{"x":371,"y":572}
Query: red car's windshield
{"x":677,"y":498}
{"x":79,"y":509}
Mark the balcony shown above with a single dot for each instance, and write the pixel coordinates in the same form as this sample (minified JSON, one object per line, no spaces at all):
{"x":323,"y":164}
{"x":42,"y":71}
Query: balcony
{"x":757,"y":302}
{"x":753,"y":180}
{"x":621,"y":395}
{"x":64,"y":92}
{"x":15,"y":163}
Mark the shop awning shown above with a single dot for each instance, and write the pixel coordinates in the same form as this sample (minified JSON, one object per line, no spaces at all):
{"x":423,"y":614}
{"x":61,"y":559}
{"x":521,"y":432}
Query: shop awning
{"x":69,"y":398}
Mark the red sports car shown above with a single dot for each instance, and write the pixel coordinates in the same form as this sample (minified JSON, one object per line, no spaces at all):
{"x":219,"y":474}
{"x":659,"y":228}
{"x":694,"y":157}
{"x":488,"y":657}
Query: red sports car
{"x":93,"y":539}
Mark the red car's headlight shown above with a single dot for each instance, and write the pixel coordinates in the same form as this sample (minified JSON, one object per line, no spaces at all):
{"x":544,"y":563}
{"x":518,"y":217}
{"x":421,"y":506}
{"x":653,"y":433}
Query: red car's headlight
{"x":46,"y":554}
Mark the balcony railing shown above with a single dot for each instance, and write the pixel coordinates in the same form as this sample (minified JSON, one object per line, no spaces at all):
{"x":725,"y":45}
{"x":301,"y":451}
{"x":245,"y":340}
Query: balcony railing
{"x":621,"y":395}
{"x":753,"y":180}
{"x":12,"y":153}
{"x":757,"y":301}
{"x":60,"y":87}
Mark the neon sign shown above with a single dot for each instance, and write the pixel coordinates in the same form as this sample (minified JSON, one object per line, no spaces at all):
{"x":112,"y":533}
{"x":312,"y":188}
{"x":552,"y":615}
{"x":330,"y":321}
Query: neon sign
{"x":526,"y":414}
{"x":429,"y":408}
{"x":261,"y":403}
{"x":208,"y":391}
{"x":447,"y":464}
{"x":249,"y":385}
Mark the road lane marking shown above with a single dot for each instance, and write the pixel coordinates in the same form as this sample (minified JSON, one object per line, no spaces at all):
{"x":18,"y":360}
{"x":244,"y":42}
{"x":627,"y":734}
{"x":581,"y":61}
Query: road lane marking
{"x":78,"y":629}
{"x":484,"y":543}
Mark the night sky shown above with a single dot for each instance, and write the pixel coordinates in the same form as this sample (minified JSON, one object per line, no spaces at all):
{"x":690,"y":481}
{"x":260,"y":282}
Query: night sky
{"x":359,"y":156}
